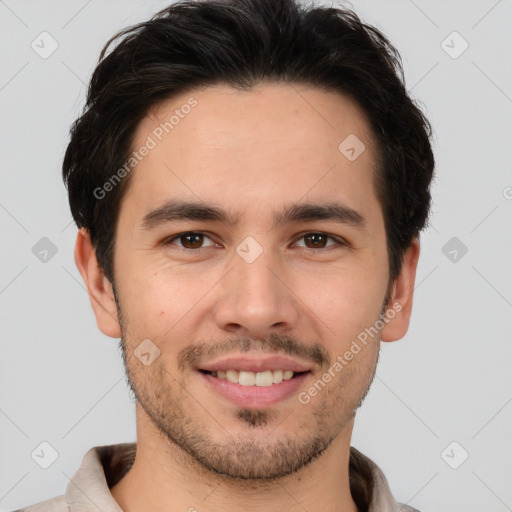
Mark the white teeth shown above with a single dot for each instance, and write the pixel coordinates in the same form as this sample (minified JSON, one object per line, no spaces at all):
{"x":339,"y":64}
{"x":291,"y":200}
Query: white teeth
{"x":231,"y":376}
{"x":277,"y":376}
{"x":262,"y":379}
{"x":246,"y":378}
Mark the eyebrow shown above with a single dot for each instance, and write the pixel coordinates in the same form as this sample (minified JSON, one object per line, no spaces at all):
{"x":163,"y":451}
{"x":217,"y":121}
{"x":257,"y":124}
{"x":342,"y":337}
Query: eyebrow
{"x":180,"y":210}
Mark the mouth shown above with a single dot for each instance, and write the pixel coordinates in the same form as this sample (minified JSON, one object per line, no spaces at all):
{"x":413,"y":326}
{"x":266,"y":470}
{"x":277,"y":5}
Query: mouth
{"x":261,"y":379}
{"x":253,"y":383}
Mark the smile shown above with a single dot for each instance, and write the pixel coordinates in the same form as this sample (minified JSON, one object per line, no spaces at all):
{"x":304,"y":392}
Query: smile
{"x":246,"y":378}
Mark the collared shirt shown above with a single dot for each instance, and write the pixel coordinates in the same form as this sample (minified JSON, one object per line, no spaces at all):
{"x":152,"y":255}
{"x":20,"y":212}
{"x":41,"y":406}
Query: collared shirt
{"x":103,"y":466}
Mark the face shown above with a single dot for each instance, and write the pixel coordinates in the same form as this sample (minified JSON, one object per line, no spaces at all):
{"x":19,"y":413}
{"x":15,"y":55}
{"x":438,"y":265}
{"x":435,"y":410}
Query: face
{"x":272,"y":271}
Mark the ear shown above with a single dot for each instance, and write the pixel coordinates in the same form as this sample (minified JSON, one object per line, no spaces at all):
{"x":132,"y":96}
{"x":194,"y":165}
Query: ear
{"x":401,"y":296}
{"x":99,"y":288}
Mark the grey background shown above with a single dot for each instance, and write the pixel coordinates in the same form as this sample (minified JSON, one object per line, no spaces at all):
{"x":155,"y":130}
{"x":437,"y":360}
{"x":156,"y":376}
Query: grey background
{"x":448,"y":380}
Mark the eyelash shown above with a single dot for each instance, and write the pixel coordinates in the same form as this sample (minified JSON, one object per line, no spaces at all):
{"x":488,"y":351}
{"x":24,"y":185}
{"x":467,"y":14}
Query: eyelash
{"x":338,"y":241}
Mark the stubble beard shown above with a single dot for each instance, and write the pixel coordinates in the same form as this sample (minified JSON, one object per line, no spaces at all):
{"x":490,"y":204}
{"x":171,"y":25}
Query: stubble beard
{"x":248,"y":456}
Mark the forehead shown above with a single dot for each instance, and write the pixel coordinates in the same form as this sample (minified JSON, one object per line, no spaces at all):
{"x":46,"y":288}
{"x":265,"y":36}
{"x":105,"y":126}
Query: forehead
{"x":255,"y":148}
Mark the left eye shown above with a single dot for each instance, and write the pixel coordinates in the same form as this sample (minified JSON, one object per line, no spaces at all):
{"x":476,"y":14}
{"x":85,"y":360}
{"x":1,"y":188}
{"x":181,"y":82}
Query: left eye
{"x":194,"y":240}
{"x":318,"y":240}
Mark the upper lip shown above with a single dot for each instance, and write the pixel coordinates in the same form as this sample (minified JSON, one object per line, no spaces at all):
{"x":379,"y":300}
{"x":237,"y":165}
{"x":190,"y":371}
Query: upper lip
{"x":255,"y":364}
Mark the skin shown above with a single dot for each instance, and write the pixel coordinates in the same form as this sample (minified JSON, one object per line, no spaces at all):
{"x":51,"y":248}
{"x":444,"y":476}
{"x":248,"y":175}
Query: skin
{"x":250,"y":153}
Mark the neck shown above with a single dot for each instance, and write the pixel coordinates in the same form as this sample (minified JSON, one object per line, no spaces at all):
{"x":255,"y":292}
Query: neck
{"x":165,"y":478}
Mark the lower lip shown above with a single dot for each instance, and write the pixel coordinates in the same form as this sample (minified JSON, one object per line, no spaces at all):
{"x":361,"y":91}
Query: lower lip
{"x":255,"y":396}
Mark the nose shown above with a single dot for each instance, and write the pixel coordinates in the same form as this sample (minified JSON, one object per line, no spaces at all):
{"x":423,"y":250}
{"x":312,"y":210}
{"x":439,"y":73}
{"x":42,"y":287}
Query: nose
{"x":256,"y":299}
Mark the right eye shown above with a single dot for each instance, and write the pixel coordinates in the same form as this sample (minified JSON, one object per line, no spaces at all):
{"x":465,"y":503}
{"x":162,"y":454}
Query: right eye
{"x":190,"y":240}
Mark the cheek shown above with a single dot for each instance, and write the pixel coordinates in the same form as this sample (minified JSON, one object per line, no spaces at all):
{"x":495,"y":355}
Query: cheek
{"x":346,"y":304}
{"x":158,"y":305}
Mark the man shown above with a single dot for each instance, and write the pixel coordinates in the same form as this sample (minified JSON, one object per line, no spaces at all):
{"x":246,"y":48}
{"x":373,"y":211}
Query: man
{"x":249,"y":179}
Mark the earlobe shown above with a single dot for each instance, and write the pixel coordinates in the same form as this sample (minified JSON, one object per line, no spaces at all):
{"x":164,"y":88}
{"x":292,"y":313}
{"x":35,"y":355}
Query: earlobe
{"x":400,"y":304}
{"x":99,"y":288}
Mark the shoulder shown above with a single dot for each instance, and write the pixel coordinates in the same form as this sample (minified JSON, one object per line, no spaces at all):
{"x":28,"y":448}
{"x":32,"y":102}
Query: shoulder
{"x":58,"y":504}
{"x":368,"y":480}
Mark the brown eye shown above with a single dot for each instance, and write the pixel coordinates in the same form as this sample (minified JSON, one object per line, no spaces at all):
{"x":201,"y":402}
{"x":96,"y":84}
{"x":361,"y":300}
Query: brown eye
{"x":190,"y":240}
{"x":320,"y":241}
{"x":317,"y":240}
